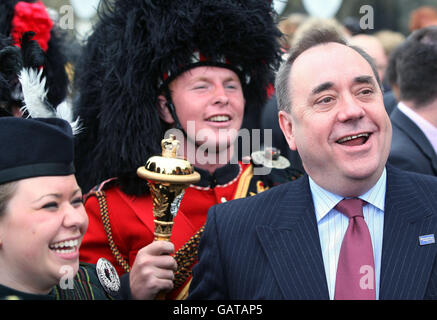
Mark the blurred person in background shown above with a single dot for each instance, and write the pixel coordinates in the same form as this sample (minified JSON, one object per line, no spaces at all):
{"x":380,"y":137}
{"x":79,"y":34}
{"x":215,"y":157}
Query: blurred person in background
{"x":423,"y":17}
{"x":414,"y":145}
{"x":313,"y":23}
{"x":389,"y":39}
{"x":374,"y":48}
{"x":288,"y":27}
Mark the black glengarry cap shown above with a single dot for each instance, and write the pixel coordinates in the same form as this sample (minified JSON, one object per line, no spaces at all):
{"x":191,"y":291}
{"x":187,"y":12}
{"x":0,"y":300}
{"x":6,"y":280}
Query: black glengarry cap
{"x":35,"y":147}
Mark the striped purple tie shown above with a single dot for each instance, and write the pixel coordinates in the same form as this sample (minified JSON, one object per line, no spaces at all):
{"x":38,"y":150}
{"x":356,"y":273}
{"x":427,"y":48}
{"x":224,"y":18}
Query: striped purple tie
{"x":356,"y":268}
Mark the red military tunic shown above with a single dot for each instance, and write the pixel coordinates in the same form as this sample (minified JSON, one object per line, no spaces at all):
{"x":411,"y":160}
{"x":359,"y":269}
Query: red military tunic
{"x":130,"y":218}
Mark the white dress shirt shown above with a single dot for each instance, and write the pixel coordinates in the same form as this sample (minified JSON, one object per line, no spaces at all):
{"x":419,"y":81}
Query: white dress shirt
{"x":332,"y":226}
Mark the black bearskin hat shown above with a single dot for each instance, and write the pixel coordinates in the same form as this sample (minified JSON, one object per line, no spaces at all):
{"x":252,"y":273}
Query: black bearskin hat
{"x":136,"y":48}
{"x":17,"y":17}
{"x":12,"y":60}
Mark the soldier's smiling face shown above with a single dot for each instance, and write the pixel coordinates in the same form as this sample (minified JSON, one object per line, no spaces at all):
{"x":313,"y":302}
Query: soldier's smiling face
{"x":210,"y":99}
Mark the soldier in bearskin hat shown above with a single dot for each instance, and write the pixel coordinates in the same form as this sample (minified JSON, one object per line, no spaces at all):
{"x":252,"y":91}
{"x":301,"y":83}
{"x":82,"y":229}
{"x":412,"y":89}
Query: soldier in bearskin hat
{"x":196,"y":66}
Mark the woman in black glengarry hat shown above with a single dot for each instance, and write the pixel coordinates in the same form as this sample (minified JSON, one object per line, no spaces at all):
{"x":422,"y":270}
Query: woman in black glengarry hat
{"x":42,"y":218}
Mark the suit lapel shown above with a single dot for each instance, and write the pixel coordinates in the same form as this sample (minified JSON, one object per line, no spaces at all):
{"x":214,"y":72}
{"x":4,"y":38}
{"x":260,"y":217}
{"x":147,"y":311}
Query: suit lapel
{"x":292,"y":246}
{"x":414,"y":133}
{"x":405,"y":266}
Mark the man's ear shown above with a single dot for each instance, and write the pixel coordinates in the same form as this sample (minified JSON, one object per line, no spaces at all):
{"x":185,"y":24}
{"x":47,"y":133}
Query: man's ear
{"x":164,"y":111}
{"x":286,"y":124}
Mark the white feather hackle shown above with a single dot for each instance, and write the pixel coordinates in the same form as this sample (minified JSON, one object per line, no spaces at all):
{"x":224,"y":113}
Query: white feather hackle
{"x":65,"y":111}
{"x":34,"y":94}
{"x":35,"y":99}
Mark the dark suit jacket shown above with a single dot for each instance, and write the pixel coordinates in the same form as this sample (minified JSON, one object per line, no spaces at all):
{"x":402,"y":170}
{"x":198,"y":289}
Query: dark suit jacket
{"x":410,"y":149}
{"x":267,"y":246}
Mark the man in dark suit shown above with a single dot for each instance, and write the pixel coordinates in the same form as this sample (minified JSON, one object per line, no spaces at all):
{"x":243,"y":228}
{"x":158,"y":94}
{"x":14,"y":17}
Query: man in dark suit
{"x":352,"y":228}
{"x":414,"y":145}
{"x":391,"y":92}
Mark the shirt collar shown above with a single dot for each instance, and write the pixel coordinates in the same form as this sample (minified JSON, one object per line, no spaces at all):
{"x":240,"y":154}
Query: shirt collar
{"x":324,"y":201}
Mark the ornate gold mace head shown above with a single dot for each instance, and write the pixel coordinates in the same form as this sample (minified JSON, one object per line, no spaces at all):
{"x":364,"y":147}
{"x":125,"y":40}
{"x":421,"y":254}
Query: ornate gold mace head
{"x":167,"y":177}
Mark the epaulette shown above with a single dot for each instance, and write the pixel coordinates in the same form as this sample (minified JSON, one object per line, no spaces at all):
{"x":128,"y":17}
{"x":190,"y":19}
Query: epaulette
{"x":279,"y":170}
{"x":279,"y":165}
{"x":100,"y":187}
{"x":270,"y":158}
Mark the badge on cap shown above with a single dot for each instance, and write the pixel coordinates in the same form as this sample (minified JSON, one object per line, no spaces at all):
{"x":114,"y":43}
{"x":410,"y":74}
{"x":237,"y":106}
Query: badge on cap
{"x":270,"y":158}
{"x":108,"y":276}
{"x":426,"y":239}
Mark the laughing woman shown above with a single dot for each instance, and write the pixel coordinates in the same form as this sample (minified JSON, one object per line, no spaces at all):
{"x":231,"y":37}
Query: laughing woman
{"x":42,"y":217}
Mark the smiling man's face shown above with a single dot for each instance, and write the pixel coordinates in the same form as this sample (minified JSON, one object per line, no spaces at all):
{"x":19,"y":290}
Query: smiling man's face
{"x":212,"y":99}
{"x":338,"y":121}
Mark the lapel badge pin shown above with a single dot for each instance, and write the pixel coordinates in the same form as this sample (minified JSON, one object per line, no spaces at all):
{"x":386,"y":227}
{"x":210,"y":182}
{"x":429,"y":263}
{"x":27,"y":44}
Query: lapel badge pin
{"x":108,"y":276}
{"x":426,"y":239}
